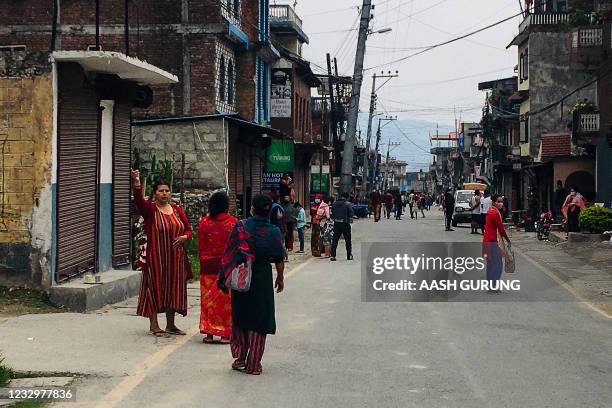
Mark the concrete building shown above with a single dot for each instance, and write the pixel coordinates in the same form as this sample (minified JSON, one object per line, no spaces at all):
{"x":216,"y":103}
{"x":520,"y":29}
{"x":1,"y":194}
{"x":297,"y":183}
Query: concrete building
{"x":550,"y":87}
{"x":65,"y":164}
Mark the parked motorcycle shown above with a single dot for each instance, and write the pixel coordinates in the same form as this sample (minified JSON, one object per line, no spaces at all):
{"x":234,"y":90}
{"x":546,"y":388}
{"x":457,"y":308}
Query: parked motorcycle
{"x":543,"y":225}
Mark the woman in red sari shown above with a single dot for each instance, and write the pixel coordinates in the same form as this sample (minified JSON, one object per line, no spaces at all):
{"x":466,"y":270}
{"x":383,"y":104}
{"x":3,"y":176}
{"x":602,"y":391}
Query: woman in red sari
{"x":163,"y":288}
{"x":214,"y":230}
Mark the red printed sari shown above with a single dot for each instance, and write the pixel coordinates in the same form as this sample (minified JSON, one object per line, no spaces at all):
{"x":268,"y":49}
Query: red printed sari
{"x":216,"y":307}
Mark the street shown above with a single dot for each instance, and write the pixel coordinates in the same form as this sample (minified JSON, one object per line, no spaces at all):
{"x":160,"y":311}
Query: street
{"x":332,"y":350}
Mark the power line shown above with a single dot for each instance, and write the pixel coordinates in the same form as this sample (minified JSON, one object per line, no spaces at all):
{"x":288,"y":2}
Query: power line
{"x":429,"y":48}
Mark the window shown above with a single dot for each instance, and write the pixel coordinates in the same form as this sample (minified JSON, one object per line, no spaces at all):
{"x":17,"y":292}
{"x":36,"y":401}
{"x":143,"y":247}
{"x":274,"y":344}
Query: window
{"x":524,"y":65}
{"x":524,"y":137}
{"x":237,"y":9}
{"x":230,"y":80}
{"x":222,"y":79}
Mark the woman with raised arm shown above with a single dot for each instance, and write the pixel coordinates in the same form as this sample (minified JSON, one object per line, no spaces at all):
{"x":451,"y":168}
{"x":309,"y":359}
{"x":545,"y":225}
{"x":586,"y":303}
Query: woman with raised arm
{"x":163,"y":288}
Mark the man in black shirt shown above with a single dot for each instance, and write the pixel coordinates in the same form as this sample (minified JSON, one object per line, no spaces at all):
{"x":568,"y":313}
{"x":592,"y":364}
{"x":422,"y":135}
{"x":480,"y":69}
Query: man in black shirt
{"x":449,"y":207}
{"x":342,"y":214}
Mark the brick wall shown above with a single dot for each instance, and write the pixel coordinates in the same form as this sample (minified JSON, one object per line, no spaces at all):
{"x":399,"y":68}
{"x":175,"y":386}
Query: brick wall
{"x":26,"y":122}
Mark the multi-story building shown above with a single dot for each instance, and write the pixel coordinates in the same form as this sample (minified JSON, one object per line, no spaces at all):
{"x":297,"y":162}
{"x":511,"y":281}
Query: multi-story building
{"x":550,"y":87}
{"x":291,"y":111}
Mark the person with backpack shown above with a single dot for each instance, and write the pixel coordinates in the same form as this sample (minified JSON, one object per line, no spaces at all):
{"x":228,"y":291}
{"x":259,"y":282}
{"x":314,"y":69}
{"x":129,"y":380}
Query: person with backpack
{"x":253,"y":314}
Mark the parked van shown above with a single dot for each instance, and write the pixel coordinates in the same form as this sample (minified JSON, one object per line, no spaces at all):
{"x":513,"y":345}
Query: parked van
{"x":463,"y":199}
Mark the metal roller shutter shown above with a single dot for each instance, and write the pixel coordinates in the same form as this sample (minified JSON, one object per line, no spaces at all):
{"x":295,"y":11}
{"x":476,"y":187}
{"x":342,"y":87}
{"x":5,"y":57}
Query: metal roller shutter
{"x":121,"y":185}
{"x":256,"y":173}
{"x":77,"y":177}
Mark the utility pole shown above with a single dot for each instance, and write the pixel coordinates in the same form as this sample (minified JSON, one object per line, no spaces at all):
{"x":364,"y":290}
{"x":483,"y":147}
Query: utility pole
{"x":378,"y":137}
{"x":330,"y":86}
{"x":349,"y":143}
{"x":387,"y":167}
{"x":366,"y":167}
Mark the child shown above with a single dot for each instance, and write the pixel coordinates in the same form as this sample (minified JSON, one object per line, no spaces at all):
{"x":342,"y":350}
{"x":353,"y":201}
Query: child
{"x":300,"y":225}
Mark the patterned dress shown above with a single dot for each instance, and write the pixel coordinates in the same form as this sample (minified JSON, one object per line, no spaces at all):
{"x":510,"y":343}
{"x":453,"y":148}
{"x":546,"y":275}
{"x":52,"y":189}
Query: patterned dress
{"x":166,"y":270}
{"x":216,"y":307}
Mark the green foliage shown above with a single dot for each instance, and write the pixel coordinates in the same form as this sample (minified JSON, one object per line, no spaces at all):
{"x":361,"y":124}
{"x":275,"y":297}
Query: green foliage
{"x":154,"y":169}
{"x":596,"y":219}
{"x":6,"y":373}
{"x":584,"y":106}
{"x":192,"y":253}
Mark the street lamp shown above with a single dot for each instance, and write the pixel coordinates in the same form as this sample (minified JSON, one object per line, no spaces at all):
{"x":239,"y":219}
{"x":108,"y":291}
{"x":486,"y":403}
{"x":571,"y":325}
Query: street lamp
{"x":381,"y":31}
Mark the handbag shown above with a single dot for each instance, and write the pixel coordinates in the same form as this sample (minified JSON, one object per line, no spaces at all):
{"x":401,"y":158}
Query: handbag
{"x":509,"y":264}
{"x":239,"y":279}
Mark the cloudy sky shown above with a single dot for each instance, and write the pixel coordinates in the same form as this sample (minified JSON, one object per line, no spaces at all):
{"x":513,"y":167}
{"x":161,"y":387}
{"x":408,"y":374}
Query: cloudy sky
{"x":432,"y":85}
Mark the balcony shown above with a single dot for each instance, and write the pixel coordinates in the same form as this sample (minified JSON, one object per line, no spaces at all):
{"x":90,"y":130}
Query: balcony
{"x":284,"y":20}
{"x":543,"y":19}
{"x":587,"y":51}
{"x":588,"y":123}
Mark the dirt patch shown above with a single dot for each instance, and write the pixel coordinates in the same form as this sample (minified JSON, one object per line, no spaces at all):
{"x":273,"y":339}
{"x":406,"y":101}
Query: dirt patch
{"x":21,"y":301}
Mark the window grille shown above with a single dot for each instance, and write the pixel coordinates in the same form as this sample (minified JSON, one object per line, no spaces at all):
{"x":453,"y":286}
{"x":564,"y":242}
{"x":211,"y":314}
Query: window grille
{"x":225,"y":79}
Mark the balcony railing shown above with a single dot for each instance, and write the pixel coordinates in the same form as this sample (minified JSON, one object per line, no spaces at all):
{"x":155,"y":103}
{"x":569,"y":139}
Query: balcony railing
{"x":589,"y":122}
{"x":284,"y":12}
{"x":543,"y":19}
{"x":587,"y":37}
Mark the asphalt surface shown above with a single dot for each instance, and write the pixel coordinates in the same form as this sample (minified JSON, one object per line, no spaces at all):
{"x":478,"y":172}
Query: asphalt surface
{"x":333,"y":350}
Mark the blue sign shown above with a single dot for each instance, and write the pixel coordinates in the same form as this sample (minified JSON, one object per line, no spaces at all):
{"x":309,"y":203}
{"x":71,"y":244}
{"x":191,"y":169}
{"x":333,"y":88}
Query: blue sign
{"x":461,"y":141}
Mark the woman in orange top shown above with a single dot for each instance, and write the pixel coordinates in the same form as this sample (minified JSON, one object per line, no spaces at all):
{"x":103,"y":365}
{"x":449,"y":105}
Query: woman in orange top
{"x":214,"y":230}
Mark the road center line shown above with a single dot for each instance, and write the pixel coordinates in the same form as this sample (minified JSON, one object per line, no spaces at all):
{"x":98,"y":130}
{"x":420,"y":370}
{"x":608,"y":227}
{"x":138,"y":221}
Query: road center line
{"x":125,"y":387}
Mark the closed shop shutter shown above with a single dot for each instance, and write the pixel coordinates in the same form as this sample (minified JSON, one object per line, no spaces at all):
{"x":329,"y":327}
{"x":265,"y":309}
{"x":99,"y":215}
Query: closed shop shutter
{"x":77,"y":174}
{"x":256,"y":172}
{"x":121,"y":185}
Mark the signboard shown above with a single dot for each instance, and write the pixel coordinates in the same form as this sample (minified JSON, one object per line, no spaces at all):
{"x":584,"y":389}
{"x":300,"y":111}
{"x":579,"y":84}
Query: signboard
{"x":319,"y":183}
{"x":279,"y":161}
{"x":461,"y":141}
{"x":281,"y":93}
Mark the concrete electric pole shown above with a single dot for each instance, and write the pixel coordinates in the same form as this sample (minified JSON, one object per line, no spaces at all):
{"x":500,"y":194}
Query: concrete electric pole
{"x":366,"y":166}
{"x":349,"y":144}
{"x":378,"y":137}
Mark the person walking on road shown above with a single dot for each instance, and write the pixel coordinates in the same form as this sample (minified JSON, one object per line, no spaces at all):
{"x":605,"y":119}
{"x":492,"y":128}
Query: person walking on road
{"x":300,"y":224}
{"x":399,"y":206}
{"x":475,"y":209}
{"x":421,"y":204}
{"x":290,"y":220}
{"x":411,"y":203}
{"x":315,"y":234}
{"x":448,"y":205}
{"x":485,"y":205}
{"x":163,"y":287}
{"x":376,"y":199}
{"x":342,"y":214}
{"x":491,"y":249}
{"x":253,"y":315}
{"x":326,"y":226}
{"x":214,"y":230}
{"x":388,"y":199}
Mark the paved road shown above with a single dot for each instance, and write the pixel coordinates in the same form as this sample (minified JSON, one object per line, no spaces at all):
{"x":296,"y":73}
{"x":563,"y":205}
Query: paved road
{"x":332,"y":350}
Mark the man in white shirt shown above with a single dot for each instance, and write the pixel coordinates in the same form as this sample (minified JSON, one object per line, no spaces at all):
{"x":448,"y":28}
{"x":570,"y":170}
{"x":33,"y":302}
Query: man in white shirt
{"x":475,"y":208}
{"x":485,"y":206}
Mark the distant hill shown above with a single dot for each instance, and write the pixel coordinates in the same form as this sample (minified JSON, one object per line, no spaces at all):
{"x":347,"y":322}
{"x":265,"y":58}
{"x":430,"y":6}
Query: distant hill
{"x":404,"y":131}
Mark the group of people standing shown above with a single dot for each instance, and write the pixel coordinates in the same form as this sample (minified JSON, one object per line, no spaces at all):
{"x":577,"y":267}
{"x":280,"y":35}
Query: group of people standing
{"x":241,"y":319}
{"x":331,"y":220}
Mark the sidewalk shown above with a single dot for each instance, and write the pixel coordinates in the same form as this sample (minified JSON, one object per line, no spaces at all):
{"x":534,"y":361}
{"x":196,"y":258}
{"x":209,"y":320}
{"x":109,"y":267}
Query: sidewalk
{"x":106,"y":343}
{"x":585,"y":270}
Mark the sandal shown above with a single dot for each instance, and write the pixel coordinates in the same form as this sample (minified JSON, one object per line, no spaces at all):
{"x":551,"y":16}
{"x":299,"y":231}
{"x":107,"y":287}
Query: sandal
{"x":176,"y":331}
{"x":159,"y":333}
{"x":238,"y":365}
{"x":256,"y":371}
{"x":208,"y":340}
{"x":224,"y":340}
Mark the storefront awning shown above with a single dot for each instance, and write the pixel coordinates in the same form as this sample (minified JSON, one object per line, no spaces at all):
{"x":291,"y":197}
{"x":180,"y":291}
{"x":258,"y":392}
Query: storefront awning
{"x":116,"y":63}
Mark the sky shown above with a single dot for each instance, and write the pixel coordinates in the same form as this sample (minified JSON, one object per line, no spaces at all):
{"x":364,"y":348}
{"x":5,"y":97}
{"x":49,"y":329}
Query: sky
{"x":436,"y":86}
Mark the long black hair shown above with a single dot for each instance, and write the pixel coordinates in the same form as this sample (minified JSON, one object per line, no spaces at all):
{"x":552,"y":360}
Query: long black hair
{"x":262,"y":205}
{"x":218,"y":203}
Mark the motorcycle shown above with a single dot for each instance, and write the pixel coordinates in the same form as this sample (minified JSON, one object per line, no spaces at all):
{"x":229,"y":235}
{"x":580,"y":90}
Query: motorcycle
{"x":544,"y":224}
